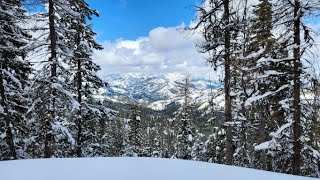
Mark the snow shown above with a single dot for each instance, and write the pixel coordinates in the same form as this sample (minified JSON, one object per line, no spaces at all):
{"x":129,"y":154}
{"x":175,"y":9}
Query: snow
{"x":272,"y":144}
{"x":129,"y":169}
{"x":252,"y":99}
{"x":190,"y":138}
{"x":156,"y":91}
{"x":3,"y":135}
{"x":262,"y":146}
{"x":281,"y":129}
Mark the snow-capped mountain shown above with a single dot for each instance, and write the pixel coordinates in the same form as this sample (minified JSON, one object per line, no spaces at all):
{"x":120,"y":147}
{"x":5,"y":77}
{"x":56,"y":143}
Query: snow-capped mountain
{"x":154,"y":91}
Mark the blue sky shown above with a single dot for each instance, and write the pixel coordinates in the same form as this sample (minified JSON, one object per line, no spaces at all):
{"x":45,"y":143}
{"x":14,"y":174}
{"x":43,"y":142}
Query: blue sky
{"x":130,"y":19}
{"x":141,"y":36}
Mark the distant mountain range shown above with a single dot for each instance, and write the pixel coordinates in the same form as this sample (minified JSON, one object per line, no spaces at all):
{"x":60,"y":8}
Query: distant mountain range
{"x":155,"y":91}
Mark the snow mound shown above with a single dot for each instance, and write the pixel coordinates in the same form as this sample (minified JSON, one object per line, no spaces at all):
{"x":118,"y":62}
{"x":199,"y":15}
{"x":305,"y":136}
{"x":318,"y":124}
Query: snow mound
{"x":129,"y":169}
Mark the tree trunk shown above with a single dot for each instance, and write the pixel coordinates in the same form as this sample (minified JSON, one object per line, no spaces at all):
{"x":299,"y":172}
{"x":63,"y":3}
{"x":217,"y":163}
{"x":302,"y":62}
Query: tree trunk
{"x":79,"y":88}
{"x":227,"y":83}
{"x":296,"y":163}
{"x":315,"y":115}
{"x":52,"y":59}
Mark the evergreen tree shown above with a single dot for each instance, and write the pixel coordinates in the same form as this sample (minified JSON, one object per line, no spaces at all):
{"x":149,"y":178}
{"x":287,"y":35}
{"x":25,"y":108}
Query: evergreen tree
{"x":198,"y":149}
{"x":264,"y":83}
{"x":185,"y":133}
{"x":53,"y":102}
{"x":83,"y":79}
{"x":289,"y":133}
{"x":215,"y":146}
{"x":14,"y":73}
{"x":117,"y":130}
{"x":135,"y":143}
{"x":219,"y":25}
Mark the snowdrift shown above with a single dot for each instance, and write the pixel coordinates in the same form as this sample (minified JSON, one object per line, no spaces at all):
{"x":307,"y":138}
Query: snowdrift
{"x":129,"y":169}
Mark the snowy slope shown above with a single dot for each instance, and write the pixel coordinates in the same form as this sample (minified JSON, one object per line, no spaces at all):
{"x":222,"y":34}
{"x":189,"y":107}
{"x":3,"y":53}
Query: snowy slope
{"x":129,"y":169}
{"x":154,"y":90}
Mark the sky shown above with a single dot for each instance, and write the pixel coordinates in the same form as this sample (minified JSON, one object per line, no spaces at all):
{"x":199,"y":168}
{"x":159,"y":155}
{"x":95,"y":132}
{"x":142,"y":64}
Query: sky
{"x":131,"y":19}
{"x":145,"y":36}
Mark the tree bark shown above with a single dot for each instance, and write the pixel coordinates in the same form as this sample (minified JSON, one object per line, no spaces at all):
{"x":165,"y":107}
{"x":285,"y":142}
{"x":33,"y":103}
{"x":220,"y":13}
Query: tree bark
{"x":228,"y":116}
{"x":79,"y":89}
{"x":52,"y":59}
{"x":296,"y":161}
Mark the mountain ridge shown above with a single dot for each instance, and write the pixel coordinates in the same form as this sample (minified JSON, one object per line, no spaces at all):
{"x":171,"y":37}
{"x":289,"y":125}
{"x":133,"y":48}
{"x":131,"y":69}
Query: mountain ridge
{"x":155,"y":91}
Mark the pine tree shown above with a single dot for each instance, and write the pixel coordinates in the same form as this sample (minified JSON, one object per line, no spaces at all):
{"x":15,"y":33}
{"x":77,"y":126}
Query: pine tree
{"x":117,"y":136}
{"x":160,"y":147}
{"x":169,"y":134}
{"x":265,"y":84}
{"x":198,"y":149}
{"x":289,"y":137}
{"x":83,"y":80}
{"x":53,"y":102}
{"x":296,"y":163}
{"x":219,"y":25}
{"x":135,"y":143}
{"x":14,"y":72}
{"x":262,"y":26}
{"x":215,"y":146}
{"x":185,"y":133}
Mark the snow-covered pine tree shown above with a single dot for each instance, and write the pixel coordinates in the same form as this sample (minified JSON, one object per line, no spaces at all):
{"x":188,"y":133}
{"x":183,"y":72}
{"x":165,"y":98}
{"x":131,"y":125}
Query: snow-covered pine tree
{"x":169,"y":139}
{"x":185,"y":130}
{"x":159,"y":146}
{"x":215,"y":141}
{"x":311,"y":126}
{"x":301,"y":39}
{"x":217,"y":21}
{"x":288,"y":142}
{"x":264,"y":83}
{"x":155,"y":143}
{"x":198,"y":152}
{"x":14,"y":74}
{"x":117,"y":136}
{"x":135,"y":144}
{"x":83,"y":80}
{"x":215,"y":146}
{"x":53,"y":102}
{"x":95,"y":132}
{"x":156,"y":148}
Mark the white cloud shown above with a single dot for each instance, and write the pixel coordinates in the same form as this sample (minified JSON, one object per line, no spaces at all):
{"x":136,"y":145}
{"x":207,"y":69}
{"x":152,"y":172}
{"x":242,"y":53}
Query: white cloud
{"x":169,"y":49}
{"x":165,"y":50}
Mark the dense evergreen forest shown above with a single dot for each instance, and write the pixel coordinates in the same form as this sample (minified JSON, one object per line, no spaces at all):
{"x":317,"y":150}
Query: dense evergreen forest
{"x":270,"y":119}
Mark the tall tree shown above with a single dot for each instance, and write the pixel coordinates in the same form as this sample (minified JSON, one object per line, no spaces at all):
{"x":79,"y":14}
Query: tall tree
{"x":84,"y":81}
{"x":214,"y":19}
{"x":227,"y":81}
{"x":185,"y":130}
{"x":264,"y":82}
{"x":135,"y":143}
{"x":14,"y":72}
{"x":289,"y":21}
{"x":297,"y":10}
{"x":52,"y":99}
{"x":296,"y":163}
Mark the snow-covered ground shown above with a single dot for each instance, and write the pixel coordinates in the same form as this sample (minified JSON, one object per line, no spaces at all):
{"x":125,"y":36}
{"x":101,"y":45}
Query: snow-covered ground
{"x":129,"y":169}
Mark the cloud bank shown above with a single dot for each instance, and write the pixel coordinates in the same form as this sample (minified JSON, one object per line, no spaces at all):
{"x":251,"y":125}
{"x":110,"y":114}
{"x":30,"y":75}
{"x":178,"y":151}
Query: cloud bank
{"x":164,"y":50}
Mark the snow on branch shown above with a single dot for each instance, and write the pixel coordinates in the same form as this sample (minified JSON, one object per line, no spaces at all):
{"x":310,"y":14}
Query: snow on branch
{"x":253,"y":99}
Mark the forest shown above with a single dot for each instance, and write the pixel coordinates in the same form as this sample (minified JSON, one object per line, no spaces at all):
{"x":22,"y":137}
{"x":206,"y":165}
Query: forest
{"x":270,"y":119}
